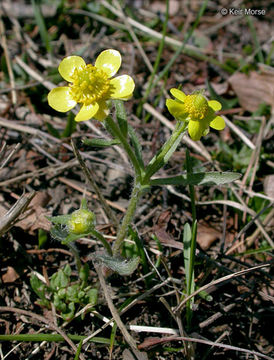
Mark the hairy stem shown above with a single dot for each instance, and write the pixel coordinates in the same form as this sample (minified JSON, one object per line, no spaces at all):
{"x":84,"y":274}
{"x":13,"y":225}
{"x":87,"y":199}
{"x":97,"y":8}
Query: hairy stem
{"x":122,"y":233}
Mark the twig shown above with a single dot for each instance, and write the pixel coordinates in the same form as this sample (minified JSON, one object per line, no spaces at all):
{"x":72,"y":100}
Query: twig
{"x":129,"y":306}
{"x":134,"y":37}
{"x":178,"y":308}
{"x":43,"y":320}
{"x":6,"y":160}
{"x":93,"y":184}
{"x":216,"y":316}
{"x":212,"y":343}
{"x":47,"y":170}
{"x":249,"y":240}
{"x":16,"y":210}
{"x":35,"y":75}
{"x":238,"y":132}
{"x":73,"y":184}
{"x":115,"y":313}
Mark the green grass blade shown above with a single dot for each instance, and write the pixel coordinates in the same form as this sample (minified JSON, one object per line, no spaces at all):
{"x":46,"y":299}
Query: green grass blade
{"x":41,"y":25}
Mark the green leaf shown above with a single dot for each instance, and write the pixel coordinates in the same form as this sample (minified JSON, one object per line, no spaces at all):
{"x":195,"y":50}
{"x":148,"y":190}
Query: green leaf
{"x":84,"y":204}
{"x":60,"y":219}
{"x":41,"y":25}
{"x":121,"y":266}
{"x":137,"y":146}
{"x":140,"y":249}
{"x":209,"y":178}
{"x":40,"y":289}
{"x":74,"y":237}
{"x":204,"y":295}
{"x":226,"y":104}
{"x":58,"y":232}
{"x":67,"y":270}
{"x":187,"y":248}
{"x":70,"y":126}
{"x":121,"y":117}
{"x":69,"y":312}
{"x":53,"y":131}
{"x":92,"y":296}
{"x":112,"y":337}
{"x":42,"y":238}
{"x":59,"y":303}
{"x":101,"y":142}
{"x":59,"y":280}
{"x":72,"y":293}
{"x":84,"y":273}
{"x":78,"y":352}
{"x":163,"y":155}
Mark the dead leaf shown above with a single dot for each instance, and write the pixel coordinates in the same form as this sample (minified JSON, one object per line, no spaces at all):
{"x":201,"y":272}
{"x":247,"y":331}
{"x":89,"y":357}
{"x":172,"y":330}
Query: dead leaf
{"x":206,"y":236}
{"x":163,"y":219}
{"x":35,"y":217}
{"x":160,"y":6}
{"x":254,"y":89}
{"x":10,"y":276}
{"x":219,"y":88}
{"x":167,"y":239}
{"x":154,"y":341}
{"x":160,"y":227}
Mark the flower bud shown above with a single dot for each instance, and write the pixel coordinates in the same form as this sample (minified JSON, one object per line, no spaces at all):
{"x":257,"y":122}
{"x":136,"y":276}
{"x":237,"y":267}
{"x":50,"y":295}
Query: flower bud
{"x":81,"y":221}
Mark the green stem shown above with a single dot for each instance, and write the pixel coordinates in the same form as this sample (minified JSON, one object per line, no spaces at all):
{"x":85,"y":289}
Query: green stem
{"x":117,"y":132}
{"x":190,"y":285}
{"x":191,"y":187}
{"x":161,"y":158}
{"x":76,"y":255}
{"x":122,"y":233}
{"x":101,"y":238}
{"x":50,"y":337}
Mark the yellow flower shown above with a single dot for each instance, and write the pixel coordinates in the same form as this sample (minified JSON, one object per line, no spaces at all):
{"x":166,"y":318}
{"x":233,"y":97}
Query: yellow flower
{"x":91,"y":86}
{"x":197,"y":111}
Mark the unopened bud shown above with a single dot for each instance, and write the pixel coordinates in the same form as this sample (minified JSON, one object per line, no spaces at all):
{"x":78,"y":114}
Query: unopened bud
{"x":81,"y":221}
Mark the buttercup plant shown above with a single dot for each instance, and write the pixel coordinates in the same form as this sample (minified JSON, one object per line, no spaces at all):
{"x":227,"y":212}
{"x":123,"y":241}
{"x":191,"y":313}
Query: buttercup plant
{"x":91,"y":87}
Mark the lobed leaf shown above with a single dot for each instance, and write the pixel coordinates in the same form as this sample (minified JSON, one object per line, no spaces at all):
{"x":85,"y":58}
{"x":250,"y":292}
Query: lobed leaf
{"x":209,"y":178}
{"x":101,"y":142}
{"x":121,"y":266}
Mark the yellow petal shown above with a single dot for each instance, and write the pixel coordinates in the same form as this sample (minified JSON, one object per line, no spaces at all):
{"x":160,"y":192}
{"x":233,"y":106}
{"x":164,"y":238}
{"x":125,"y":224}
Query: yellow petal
{"x":176,"y":108}
{"x":68,"y":65}
{"x":87,"y":112}
{"x":60,"y":99}
{"x":178,"y":94}
{"x":121,"y":87}
{"x":215,"y":105}
{"x":196,"y":130}
{"x":103,"y":111}
{"x":109,"y":61}
{"x":218,"y":123}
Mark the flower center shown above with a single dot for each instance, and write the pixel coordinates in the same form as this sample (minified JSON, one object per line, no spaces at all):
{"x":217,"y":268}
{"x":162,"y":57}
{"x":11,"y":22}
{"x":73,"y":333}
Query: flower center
{"x":196,"y":105}
{"x":89,"y":85}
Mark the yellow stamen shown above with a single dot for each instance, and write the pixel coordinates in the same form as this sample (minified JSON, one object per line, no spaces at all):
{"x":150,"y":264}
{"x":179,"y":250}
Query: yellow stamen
{"x":196,"y":105}
{"x":89,"y":85}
